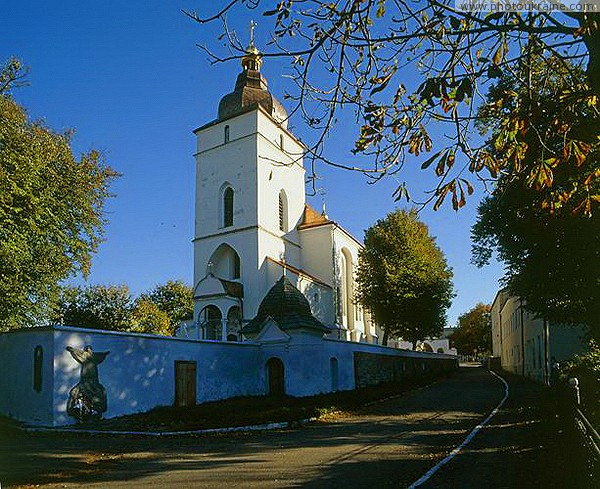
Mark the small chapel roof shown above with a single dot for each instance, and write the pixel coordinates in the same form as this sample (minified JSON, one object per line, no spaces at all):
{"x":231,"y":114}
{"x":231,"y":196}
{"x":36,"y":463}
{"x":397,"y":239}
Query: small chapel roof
{"x":287,"y":306}
{"x":251,"y":90}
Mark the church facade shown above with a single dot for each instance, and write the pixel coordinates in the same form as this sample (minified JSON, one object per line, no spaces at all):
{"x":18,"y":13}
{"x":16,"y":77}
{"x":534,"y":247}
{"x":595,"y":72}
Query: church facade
{"x":253,"y":224}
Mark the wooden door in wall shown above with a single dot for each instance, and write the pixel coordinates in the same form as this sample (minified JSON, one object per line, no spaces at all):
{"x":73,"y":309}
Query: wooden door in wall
{"x":276,"y":374}
{"x":185,"y":383}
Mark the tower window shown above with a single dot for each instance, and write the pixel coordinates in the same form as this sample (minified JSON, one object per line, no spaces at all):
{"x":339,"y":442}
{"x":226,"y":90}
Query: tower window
{"x":283,"y":218}
{"x":226,"y":135}
{"x":281,"y":141}
{"x":228,"y":207}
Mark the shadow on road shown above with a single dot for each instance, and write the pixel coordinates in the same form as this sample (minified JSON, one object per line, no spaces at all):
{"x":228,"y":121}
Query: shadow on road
{"x":387,"y":444}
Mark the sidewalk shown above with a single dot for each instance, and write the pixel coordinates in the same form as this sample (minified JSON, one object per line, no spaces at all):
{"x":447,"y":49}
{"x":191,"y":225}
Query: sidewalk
{"x":530,"y":443}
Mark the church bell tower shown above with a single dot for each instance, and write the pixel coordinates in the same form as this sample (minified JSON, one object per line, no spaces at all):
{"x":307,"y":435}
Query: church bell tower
{"x":250,"y":198}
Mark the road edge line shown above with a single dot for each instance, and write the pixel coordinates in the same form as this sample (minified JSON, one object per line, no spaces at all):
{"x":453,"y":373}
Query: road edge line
{"x":466,"y":441}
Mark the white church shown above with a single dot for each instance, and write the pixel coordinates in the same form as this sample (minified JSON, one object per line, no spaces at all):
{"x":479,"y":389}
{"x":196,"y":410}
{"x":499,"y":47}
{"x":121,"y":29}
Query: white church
{"x":273,"y":290}
{"x":253,"y":223}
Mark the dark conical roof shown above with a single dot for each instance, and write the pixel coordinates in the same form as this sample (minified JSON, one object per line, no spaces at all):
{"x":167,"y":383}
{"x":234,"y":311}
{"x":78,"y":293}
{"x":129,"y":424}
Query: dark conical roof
{"x":251,"y":90}
{"x":286,"y":305}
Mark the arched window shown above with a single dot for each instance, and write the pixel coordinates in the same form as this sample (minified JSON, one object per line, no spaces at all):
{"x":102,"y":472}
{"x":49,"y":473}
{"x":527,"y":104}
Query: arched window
{"x":226,"y":134}
{"x":347,"y":289}
{"x":283,"y":212}
{"x":210,"y":322}
{"x":225,"y":263}
{"x":38,"y":359}
{"x":281,"y":142}
{"x":234,"y":323}
{"x":228,"y":207}
{"x":343,"y":290}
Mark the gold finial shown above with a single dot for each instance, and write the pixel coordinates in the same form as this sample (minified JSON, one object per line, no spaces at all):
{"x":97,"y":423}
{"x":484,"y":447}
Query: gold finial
{"x":252,"y":59}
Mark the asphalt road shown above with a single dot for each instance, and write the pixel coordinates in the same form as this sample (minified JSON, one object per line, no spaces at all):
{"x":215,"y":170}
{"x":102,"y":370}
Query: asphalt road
{"x":391,"y":444}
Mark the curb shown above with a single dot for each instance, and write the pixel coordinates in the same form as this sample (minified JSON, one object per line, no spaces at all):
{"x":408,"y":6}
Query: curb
{"x":156,"y":434}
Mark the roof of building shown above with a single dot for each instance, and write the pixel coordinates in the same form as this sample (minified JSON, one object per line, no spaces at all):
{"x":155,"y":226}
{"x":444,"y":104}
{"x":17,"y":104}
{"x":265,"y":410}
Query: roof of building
{"x":234,"y":289}
{"x":298,"y":271}
{"x":288,"y":307}
{"x":311,"y":218}
{"x":251,"y":90}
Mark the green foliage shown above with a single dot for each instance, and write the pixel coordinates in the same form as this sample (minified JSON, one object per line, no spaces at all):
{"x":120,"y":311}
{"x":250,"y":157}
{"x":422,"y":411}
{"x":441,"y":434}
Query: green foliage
{"x":51,"y":211}
{"x":147,"y":317}
{"x":96,"y":306}
{"x":474,"y":332}
{"x":547,"y":237}
{"x":586,"y":368}
{"x":401,"y":68}
{"x":403,"y":278}
{"x":12,"y":75}
{"x":174,"y":298}
{"x":113,"y":308}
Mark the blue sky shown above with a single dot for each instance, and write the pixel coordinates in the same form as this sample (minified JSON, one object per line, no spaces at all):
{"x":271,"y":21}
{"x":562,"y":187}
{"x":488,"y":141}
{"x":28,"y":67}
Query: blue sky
{"x":130,"y":79}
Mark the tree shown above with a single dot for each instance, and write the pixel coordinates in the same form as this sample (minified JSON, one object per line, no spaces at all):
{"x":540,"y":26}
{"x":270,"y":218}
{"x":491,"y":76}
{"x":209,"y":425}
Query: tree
{"x":96,"y":306}
{"x":403,"y":68}
{"x":474,"y":332}
{"x":51,"y":210}
{"x":548,"y":238}
{"x":113,"y":308}
{"x":403,"y":278}
{"x":175,"y":299}
{"x":147,"y":317}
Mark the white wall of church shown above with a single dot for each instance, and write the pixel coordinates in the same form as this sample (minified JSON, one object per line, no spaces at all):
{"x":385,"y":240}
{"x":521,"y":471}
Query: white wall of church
{"x":219,"y":163}
{"x":352,"y":315}
{"x":139,"y":372}
{"x":317,"y":252}
{"x":279,"y":168}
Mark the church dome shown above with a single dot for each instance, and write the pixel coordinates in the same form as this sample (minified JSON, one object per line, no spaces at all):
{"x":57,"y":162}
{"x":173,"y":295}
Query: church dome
{"x":286,"y":305}
{"x":251,"y":90}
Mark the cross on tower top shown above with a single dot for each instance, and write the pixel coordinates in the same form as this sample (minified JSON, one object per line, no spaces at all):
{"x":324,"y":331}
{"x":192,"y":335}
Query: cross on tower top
{"x":252,"y":26}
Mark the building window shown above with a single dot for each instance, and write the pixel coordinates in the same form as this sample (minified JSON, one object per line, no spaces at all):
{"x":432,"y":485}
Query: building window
{"x":226,"y":134}
{"x":283,"y":214}
{"x":234,"y":323}
{"x":210,"y":322}
{"x":343,"y":290}
{"x":236,"y":266}
{"x":228,"y":207}
{"x":38,"y":359}
{"x":225,"y":263}
{"x":281,"y":142}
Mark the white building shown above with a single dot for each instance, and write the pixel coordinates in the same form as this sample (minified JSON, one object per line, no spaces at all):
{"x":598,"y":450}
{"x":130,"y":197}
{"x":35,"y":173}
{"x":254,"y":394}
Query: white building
{"x":253,"y":223}
{"x":527,"y":345}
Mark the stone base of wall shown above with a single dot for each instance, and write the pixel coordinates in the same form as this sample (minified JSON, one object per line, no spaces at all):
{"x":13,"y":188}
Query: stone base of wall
{"x":374,"y":368}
